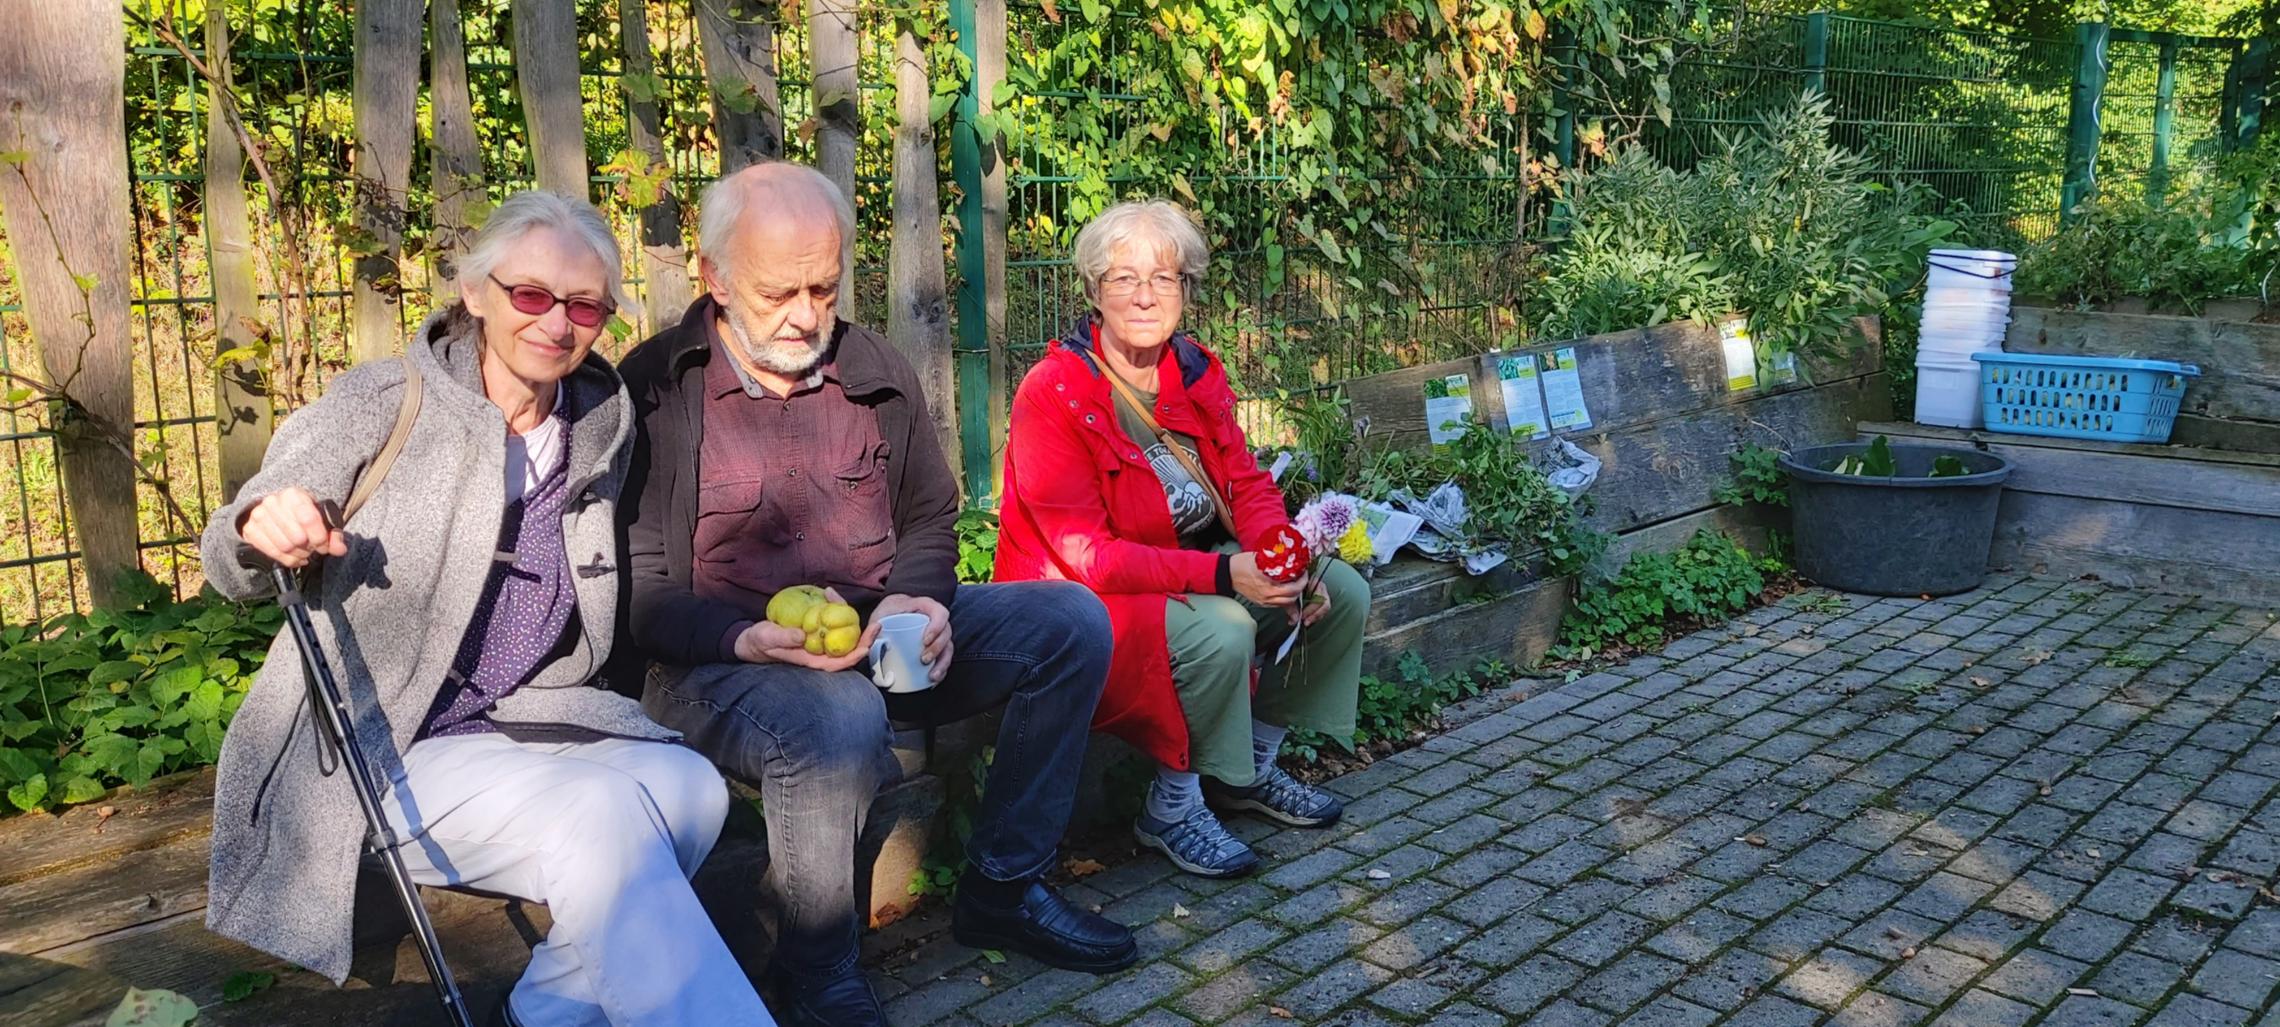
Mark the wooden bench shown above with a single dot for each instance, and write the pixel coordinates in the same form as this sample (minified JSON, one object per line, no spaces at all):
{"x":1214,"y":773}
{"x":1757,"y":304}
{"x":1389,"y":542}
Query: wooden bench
{"x":90,"y":902}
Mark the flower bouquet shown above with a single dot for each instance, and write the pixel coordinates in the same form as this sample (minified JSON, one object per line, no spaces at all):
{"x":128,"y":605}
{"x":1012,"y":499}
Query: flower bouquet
{"x":1329,"y":525}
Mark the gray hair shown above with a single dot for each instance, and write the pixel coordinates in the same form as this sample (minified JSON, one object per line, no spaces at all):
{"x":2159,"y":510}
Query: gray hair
{"x":792,"y":187}
{"x":525,"y":212}
{"x":1136,"y":222}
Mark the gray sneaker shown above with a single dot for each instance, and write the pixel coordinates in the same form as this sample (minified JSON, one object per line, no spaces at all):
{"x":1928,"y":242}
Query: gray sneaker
{"x":1199,"y":844}
{"x":1280,"y":796}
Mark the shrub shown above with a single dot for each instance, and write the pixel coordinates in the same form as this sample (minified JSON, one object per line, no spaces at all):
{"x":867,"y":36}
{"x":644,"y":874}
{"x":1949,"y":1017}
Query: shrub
{"x":2210,"y":238}
{"x":1758,"y":478}
{"x":977,"y":546}
{"x":1390,"y":710}
{"x":1779,"y":222}
{"x":1711,"y":579}
{"x":91,"y":701}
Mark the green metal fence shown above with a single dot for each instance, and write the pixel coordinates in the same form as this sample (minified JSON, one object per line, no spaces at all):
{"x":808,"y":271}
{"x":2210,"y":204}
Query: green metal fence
{"x":2001,"y":128}
{"x":1987,"y":121}
{"x":295,"y":85}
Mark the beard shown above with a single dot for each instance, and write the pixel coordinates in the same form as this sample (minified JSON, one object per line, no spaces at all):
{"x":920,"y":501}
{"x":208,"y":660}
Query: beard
{"x":788,"y":357}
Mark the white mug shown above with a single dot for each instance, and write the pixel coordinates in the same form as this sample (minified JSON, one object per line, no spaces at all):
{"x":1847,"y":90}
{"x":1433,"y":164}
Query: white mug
{"x":896,"y":654}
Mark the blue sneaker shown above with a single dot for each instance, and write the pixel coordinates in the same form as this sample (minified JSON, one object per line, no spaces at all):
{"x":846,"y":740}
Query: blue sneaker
{"x":1199,"y":844}
{"x":1280,"y":796}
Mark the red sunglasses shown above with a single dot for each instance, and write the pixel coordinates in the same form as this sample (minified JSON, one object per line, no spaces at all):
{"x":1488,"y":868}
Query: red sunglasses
{"x":531,"y":299}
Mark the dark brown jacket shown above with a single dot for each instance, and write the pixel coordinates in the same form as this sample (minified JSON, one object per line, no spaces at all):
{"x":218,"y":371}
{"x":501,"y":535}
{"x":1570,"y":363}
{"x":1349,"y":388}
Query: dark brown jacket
{"x":659,"y":511}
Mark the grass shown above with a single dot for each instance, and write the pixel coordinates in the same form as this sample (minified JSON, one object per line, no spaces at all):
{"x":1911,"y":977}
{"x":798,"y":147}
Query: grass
{"x":2132,"y":659}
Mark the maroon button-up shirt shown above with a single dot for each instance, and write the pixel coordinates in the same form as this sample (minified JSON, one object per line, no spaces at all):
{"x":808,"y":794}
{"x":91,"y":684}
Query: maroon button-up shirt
{"x":792,"y":491}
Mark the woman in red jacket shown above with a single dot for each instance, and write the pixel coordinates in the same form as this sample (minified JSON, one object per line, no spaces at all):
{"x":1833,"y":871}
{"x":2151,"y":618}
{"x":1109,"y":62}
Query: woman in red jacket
{"x":1125,"y":470}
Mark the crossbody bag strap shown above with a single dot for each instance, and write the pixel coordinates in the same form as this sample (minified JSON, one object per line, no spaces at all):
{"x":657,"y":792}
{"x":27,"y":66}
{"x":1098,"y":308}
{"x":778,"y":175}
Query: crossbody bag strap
{"x":1179,"y":452}
{"x":406,"y":411}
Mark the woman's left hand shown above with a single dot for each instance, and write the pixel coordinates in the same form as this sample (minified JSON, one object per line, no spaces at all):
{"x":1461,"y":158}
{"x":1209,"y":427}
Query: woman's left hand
{"x":1316,"y":603}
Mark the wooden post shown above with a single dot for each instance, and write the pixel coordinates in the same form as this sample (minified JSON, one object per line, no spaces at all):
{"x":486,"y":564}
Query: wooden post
{"x":385,"y":86}
{"x":63,"y":188}
{"x":242,"y":409}
{"x":740,"y":66}
{"x":664,"y":256}
{"x":838,"y":96}
{"x":918,"y":314}
{"x":456,"y":160}
{"x":2090,"y":42}
{"x":979,"y":167}
{"x":546,"y":76}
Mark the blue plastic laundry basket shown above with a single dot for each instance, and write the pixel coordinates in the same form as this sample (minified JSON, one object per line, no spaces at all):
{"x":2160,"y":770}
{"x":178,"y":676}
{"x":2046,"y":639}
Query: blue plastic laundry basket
{"x":2110,"y":398}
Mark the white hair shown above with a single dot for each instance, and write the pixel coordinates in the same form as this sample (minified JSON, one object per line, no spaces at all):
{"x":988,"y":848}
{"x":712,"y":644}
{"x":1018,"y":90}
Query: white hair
{"x":793,"y":188}
{"x":1158,"y":223}
{"x":524,"y":212}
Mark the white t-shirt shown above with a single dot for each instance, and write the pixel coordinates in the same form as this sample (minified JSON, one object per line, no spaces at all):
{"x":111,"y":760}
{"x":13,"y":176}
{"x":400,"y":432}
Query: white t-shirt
{"x":533,"y":455}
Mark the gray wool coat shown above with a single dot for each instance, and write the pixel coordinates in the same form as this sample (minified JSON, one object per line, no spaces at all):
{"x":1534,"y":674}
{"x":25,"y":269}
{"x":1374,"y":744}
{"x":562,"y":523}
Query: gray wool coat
{"x":390,"y":615}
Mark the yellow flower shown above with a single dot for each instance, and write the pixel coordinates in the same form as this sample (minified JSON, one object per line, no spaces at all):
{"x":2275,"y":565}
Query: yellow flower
{"x":1354,"y":546}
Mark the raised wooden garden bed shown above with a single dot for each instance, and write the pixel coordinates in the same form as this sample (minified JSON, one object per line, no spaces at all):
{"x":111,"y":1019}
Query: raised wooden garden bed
{"x":2188,"y":520}
{"x":2234,"y":405}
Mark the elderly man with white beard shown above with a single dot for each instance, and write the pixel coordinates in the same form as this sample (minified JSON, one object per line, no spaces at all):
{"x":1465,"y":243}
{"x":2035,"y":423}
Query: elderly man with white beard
{"x":782,"y":446}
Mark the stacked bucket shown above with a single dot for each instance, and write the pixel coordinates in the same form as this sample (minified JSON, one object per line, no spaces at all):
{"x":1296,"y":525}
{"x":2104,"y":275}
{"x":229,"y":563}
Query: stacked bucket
{"x":1967,"y":307}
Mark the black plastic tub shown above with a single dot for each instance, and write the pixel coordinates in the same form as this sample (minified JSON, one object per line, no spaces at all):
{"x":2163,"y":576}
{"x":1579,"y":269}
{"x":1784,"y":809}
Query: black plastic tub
{"x":1910,"y":534}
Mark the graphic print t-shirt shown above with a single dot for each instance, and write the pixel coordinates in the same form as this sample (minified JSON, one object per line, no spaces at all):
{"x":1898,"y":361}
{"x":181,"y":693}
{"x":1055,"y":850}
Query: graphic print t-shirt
{"x":1192,"y":513}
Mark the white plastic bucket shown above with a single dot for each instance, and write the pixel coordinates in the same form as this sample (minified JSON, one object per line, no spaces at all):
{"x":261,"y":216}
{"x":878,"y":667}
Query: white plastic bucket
{"x":1947,"y":393}
{"x":1973,"y":270}
{"x":1957,"y":334}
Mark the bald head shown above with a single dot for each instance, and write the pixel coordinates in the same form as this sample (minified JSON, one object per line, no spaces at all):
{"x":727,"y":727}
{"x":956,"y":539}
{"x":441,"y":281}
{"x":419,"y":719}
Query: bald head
{"x":773,"y":241}
{"x":751,"y":207}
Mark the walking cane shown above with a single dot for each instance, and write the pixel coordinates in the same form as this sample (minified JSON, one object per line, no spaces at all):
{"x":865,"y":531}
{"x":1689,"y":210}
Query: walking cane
{"x":339,"y":732}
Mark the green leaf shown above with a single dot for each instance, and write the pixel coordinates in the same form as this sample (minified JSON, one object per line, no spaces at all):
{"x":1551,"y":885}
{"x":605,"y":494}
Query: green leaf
{"x":12,"y":158}
{"x":993,"y":955}
{"x":244,"y":984}
{"x":86,"y":283}
{"x":154,"y":1008}
{"x":81,"y":789}
{"x":941,"y":106}
{"x":30,"y":794}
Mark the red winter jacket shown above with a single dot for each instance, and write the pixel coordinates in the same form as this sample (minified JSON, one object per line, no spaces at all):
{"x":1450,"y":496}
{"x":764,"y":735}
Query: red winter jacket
{"x":1082,"y":504}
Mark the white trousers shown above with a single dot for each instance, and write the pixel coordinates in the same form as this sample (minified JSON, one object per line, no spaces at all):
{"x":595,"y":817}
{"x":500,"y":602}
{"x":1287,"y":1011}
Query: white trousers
{"x":605,"y":834}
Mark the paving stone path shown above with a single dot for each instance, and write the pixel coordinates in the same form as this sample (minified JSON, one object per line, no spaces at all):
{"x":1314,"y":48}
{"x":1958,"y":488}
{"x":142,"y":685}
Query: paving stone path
{"x":2039,"y":803}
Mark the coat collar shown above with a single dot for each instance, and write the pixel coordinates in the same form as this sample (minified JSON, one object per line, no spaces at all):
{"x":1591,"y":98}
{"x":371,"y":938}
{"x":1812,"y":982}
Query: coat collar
{"x":1175,"y":399}
{"x":448,"y":352}
{"x":861,"y":364}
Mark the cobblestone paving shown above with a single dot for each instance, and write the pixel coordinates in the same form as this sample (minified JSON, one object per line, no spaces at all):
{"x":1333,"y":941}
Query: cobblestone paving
{"x":2040,"y":803}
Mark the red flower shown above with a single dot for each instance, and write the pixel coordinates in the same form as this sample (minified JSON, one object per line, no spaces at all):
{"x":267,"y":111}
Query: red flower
{"x":1285,"y":556}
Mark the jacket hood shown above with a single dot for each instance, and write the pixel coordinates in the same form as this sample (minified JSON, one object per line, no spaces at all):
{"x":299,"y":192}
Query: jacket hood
{"x":1083,"y":339}
{"x":448,"y":350}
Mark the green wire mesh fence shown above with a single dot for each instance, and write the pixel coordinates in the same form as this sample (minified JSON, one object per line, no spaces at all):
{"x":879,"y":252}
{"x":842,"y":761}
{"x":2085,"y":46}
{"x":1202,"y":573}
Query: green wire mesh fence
{"x":1981,"y":119}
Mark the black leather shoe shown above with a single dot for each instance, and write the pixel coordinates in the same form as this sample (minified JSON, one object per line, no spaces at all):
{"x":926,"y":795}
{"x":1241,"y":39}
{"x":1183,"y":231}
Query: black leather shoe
{"x":842,"y":999}
{"x":1046,"y":928}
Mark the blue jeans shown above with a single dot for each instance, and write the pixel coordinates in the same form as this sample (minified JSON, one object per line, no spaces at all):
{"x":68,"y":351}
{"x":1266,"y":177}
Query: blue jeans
{"x":818,"y":748}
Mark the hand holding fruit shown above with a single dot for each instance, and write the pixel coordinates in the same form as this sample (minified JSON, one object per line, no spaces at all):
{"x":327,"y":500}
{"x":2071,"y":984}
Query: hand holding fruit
{"x":808,"y":627}
{"x":830,"y":627}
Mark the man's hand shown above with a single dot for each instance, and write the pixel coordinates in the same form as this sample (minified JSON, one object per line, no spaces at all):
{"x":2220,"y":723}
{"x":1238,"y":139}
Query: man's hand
{"x":936,"y":647}
{"x":769,"y":642}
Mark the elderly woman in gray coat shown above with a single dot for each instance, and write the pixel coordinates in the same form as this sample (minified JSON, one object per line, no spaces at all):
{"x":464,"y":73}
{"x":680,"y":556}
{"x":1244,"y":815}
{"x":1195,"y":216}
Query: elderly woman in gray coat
{"x":468,"y":607}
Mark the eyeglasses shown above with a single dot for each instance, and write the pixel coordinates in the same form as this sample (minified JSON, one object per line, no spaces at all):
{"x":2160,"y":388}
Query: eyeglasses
{"x":531,"y":299}
{"x":1126,"y":283}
